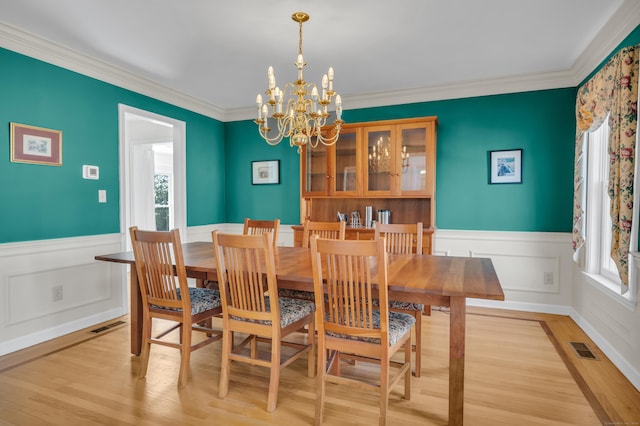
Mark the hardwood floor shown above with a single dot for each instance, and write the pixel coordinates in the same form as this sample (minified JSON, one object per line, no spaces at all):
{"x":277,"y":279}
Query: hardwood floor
{"x":520,"y":370}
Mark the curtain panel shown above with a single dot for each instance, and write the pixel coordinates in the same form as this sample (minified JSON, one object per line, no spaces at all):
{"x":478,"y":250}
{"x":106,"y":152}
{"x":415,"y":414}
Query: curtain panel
{"x":614,"y":91}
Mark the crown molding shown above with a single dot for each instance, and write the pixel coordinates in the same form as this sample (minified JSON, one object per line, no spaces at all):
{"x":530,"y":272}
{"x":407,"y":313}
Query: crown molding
{"x":619,"y":26}
{"x":623,"y":21}
{"x":469,"y":89}
{"x":36,"y":47}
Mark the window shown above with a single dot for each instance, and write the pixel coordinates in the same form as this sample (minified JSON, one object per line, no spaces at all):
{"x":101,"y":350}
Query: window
{"x":161,"y":187}
{"x":598,"y":261}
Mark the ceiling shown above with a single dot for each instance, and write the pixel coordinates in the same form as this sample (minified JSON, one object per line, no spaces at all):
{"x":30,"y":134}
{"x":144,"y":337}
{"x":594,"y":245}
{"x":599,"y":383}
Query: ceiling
{"x":212,"y":56}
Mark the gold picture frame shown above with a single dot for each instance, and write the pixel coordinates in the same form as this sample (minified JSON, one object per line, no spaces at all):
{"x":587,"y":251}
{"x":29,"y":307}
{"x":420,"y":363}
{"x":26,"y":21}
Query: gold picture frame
{"x":35,"y":145}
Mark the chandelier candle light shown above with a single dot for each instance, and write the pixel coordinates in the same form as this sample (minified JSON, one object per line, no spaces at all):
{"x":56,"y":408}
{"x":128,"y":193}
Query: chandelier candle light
{"x":306,"y":109}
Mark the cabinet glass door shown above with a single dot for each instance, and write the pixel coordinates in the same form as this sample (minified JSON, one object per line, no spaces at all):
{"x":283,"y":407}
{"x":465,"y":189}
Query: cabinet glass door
{"x":316,"y":169}
{"x":345,"y":163}
{"x":412,"y":156}
{"x":379,"y":159}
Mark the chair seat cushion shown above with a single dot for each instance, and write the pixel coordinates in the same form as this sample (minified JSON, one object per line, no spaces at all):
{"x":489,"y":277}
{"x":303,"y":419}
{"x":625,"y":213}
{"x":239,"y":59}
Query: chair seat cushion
{"x":399,"y":325}
{"x":296,"y":294}
{"x":211,"y":284}
{"x":405,"y":306}
{"x":202,"y":299}
{"x":291,"y":310}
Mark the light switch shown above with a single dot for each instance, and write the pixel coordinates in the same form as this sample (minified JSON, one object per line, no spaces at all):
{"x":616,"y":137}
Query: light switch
{"x":102,"y":195}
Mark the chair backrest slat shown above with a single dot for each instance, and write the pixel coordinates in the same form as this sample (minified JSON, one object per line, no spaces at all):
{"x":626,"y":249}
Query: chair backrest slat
{"x":331,"y":230}
{"x":352,"y":274}
{"x":156,"y":253}
{"x":401,"y":238}
{"x":258,"y":227}
{"x":246,"y":275}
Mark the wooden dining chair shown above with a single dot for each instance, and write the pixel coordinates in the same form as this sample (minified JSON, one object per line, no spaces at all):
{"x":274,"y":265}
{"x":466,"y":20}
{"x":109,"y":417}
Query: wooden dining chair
{"x":250,"y":305}
{"x":351,"y":273}
{"x":333,"y":230}
{"x":167,"y":296}
{"x":405,"y":239}
{"x":254,"y":227}
{"x":257,"y":227}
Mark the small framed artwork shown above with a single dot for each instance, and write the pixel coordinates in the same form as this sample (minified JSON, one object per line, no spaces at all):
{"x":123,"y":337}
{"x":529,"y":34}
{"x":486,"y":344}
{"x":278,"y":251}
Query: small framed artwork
{"x":265,"y":172}
{"x":505,"y":166}
{"x":30,"y":144}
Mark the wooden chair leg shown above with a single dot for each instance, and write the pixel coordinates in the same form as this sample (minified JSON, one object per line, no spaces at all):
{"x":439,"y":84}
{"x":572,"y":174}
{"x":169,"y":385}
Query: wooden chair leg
{"x":185,"y":355}
{"x":384,"y":388}
{"x":254,"y":346}
{"x":407,"y":374}
{"x":146,"y":348}
{"x":418,"y":329}
{"x":274,"y":377}
{"x":320,"y":385}
{"x":225,"y":364}
{"x":311,"y":357}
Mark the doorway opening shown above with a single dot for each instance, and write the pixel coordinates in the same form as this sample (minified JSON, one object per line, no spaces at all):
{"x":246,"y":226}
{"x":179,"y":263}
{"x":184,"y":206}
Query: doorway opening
{"x":152,"y":172}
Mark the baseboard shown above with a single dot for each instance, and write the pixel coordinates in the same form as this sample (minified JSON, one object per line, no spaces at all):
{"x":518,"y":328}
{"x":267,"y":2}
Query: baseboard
{"x":619,"y":361}
{"x":40,"y":336}
{"x":521,"y":306}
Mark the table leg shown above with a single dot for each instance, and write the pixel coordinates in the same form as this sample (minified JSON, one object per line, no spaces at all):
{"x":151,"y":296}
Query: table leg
{"x":456,"y":359}
{"x":135,"y":311}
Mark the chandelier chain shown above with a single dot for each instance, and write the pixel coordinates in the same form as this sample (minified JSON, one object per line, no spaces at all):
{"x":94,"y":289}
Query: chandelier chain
{"x":300,"y":40}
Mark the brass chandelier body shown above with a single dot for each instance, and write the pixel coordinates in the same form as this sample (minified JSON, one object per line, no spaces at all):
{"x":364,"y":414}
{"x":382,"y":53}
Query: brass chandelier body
{"x":305,"y":112}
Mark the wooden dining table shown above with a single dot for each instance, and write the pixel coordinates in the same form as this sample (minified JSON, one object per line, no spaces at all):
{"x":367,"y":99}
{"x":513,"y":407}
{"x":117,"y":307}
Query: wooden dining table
{"x":432,"y":280}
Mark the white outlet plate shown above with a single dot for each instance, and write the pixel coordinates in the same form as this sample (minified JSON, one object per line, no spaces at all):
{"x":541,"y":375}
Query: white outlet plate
{"x":57,"y":293}
{"x":102,"y":195}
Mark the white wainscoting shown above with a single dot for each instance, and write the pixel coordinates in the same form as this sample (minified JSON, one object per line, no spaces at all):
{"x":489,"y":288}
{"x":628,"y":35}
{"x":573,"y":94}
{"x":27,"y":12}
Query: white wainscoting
{"x":33,"y":273}
{"x":92,"y":291}
{"x":534,"y":268}
{"x":203,"y":233}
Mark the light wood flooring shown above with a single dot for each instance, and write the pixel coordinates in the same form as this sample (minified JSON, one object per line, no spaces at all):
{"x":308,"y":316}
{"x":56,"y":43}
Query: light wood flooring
{"x":520,"y":370}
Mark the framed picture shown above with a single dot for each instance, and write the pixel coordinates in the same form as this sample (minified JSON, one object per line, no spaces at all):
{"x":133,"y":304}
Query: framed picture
{"x":265,"y":172}
{"x":30,"y":144}
{"x":505,"y":166}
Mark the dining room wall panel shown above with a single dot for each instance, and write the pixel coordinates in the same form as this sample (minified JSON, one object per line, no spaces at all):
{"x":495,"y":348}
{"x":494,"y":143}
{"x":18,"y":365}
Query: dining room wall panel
{"x":541,"y":123}
{"x":49,"y":202}
{"x":92,"y":291}
{"x":534,"y":268}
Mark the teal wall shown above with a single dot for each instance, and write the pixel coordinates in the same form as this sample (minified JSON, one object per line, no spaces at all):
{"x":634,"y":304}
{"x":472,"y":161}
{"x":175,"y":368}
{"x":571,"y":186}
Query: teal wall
{"x":244,"y":145}
{"x":541,"y":123}
{"x":43,"y":202}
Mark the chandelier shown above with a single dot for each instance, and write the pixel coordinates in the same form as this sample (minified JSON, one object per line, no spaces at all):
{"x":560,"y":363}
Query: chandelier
{"x":305,"y":111}
{"x":380,"y":157}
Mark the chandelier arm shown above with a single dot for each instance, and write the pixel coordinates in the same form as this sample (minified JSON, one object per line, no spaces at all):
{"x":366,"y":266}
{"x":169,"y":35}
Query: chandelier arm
{"x":271,"y":141}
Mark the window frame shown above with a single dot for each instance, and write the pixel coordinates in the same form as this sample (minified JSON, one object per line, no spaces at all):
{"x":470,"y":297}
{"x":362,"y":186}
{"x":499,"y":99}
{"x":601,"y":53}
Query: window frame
{"x":599,"y":267}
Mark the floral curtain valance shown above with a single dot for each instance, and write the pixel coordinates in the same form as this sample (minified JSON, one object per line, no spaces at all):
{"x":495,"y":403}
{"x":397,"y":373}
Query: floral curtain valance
{"x":614,"y":91}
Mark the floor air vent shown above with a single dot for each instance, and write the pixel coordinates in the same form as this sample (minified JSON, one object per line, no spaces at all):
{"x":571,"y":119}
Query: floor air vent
{"x":582,"y":350}
{"x":107,"y":327}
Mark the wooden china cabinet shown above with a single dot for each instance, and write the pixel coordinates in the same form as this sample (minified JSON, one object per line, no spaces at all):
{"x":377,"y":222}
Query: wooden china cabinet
{"x":384,"y":164}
